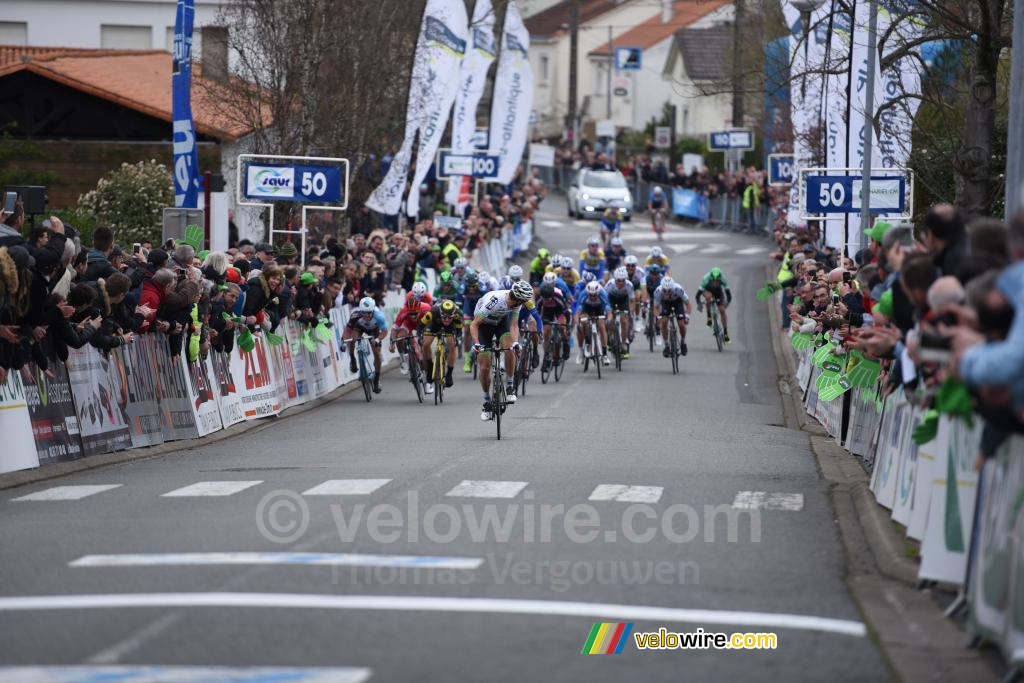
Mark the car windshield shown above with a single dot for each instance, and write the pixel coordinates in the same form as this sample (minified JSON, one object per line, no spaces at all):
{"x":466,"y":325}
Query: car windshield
{"x":604,"y":179}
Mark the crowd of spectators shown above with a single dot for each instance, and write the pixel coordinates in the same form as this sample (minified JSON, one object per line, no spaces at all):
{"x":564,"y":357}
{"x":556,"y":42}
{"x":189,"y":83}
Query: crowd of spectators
{"x":59,"y":293}
{"x":939,"y":306}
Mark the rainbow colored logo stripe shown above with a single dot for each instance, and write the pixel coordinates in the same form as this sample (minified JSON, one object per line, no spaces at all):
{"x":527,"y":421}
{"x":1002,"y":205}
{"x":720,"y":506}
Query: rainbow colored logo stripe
{"x":607,"y":639}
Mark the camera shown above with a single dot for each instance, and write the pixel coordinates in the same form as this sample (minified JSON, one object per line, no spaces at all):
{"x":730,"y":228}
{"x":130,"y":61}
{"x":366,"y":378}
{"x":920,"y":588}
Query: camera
{"x":936,"y":348}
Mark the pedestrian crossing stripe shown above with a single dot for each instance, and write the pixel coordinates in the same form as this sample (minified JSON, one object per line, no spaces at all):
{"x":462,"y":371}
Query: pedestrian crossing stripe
{"x":607,"y":638}
{"x":211,"y":488}
{"x":625,"y":493}
{"x":68,"y":492}
{"x":762,"y":500}
{"x":181,"y":674}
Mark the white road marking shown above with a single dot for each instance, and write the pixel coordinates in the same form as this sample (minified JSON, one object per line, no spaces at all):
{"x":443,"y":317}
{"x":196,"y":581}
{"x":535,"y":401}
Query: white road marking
{"x":120,"y":650}
{"x":408,"y":603}
{"x":584,"y":224}
{"x":682,"y":248}
{"x":211,"y":488}
{"x":629,"y":236}
{"x":715,"y":248}
{"x":487,"y":489}
{"x":624,"y":493}
{"x":346,"y":487}
{"x":68,"y":492}
{"x":181,"y":674}
{"x":761,"y":500}
{"x":553,"y":224}
{"x":280,"y":559}
{"x":751,"y":250}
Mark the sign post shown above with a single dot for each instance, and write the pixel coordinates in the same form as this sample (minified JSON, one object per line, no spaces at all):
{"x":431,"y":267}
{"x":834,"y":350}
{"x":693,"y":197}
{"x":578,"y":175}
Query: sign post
{"x":732,"y":142}
{"x":663,"y":137}
{"x":472,"y":163}
{"x":780,"y":169}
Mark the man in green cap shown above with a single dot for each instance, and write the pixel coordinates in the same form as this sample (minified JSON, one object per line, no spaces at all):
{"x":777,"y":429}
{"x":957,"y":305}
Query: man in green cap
{"x":875,"y":235}
{"x":286,"y":254}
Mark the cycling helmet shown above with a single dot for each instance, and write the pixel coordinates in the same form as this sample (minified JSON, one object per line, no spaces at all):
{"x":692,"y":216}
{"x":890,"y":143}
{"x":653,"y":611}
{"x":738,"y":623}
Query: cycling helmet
{"x":567,"y":262}
{"x":588,"y":276}
{"x":550,"y":278}
{"x":630,"y":260}
{"x":485,"y":277}
{"x":522,"y":291}
{"x":446,"y":276}
{"x":419,"y":290}
{"x":657,"y":189}
{"x":543,"y":253}
{"x":515,"y":271}
{"x":616,"y":241}
{"x":547,"y":290}
{"x":593,"y":242}
{"x":461,"y":262}
{"x":593,"y":288}
{"x":447,"y":308}
{"x":667,"y":281}
{"x":656,"y":252}
{"x":367,"y":305}
{"x":716,"y":273}
{"x":621,"y":273}
{"x":654,"y":269}
{"x":472,"y":279}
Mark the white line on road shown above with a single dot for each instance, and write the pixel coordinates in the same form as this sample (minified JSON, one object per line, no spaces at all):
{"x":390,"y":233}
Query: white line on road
{"x":629,"y":236}
{"x":68,"y":492}
{"x":553,"y":224}
{"x":308,"y":559}
{"x":487,"y":489}
{"x":751,"y":250}
{"x":584,"y":224}
{"x":180,"y":674}
{"x":715,"y":248}
{"x":408,"y":603}
{"x":211,"y":488}
{"x":761,"y":500}
{"x":346,"y":487}
{"x":682,"y":248}
{"x":624,"y":493}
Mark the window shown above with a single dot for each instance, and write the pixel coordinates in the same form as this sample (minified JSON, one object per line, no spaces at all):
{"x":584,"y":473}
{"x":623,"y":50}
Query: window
{"x":197,"y":41}
{"x":126,"y":37}
{"x":13,"y":33}
{"x":544,"y":68}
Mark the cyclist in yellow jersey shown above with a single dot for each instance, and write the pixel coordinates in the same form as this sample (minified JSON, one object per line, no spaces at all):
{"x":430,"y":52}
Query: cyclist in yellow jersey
{"x":567,"y":272}
{"x":658,"y":258}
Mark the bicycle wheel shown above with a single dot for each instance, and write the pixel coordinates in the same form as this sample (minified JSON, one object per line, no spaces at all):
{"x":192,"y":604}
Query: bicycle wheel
{"x":364,"y":376}
{"x":616,"y":342}
{"x":674,"y":346}
{"x":650,"y":331}
{"x":497,"y":398}
{"x":438,"y":365}
{"x":548,"y":362}
{"x":525,"y":360}
{"x":717,"y":326}
{"x":595,"y":344}
{"x":414,"y":374}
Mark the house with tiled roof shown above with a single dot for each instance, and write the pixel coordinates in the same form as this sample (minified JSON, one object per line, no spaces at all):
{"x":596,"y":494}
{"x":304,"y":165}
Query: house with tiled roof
{"x":699,"y":65}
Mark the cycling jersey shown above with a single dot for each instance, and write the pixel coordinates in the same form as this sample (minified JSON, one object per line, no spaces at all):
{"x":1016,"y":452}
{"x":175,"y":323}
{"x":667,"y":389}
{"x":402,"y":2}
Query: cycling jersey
{"x":614,"y":290}
{"x":637,"y":278}
{"x":603,"y":295}
{"x":570,"y":278}
{"x":718,"y":288}
{"x":562,"y":286}
{"x":427,"y":299}
{"x":494,"y":307}
{"x":447,"y":291}
{"x":368,"y":323}
{"x":459,"y":280}
{"x":673,"y":293}
{"x":470,"y":299}
{"x":532,"y":312}
{"x":611,"y":224}
{"x":595,"y":307}
{"x":613,"y":258}
{"x":652,"y":282}
{"x":594,"y":262}
{"x":661,"y":261}
{"x":410,"y":315}
{"x":552,"y":307}
{"x":657,"y":201}
{"x":431,"y":322}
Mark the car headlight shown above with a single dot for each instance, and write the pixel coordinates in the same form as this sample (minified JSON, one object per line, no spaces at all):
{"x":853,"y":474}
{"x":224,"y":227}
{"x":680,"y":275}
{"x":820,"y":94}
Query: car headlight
{"x":585,"y":196}
{"x":626,"y":197}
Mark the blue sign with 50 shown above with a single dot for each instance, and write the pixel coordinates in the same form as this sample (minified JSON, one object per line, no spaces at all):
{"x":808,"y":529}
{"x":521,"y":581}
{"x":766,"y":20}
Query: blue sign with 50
{"x":294,"y":183}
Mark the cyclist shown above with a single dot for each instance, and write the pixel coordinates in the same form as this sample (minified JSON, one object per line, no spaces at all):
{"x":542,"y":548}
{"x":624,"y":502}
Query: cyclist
{"x":515,"y":274}
{"x":592,"y":259}
{"x":366,"y":319}
{"x":635,"y":275}
{"x":657,"y":203}
{"x":408,"y":320}
{"x":620,"y":296}
{"x":581,"y":286}
{"x":595,"y":306}
{"x":559,"y":284}
{"x":488,"y":281}
{"x":611,"y":224}
{"x":714,"y":287}
{"x":496,"y":324}
{"x":538,"y":266}
{"x":658,"y":258}
{"x":670,"y":297}
{"x":567,"y":272}
{"x":531,"y":323}
{"x":460,"y":269}
{"x":471,"y":294}
{"x":447,"y":287}
{"x":554,"y":264}
{"x":442,"y":318}
{"x":554,"y":309}
{"x":614,"y":257}
{"x":652,"y":280}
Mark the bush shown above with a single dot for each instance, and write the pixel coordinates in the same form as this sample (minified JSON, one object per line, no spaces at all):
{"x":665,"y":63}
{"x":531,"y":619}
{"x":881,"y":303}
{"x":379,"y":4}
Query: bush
{"x":130,"y":201}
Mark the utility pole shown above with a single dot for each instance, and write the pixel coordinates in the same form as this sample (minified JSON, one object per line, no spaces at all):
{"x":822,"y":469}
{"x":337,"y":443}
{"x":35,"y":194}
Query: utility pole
{"x":737,"y":66}
{"x":869,"y":125}
{"x":1015,"y":141}
{"x":574,"y":35}
{"x":611,"y":64}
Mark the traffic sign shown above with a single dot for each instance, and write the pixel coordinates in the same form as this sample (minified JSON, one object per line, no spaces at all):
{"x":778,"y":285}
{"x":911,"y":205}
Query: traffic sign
{"x":294,"y":182}
{"x":780,"y":169}
{"x":662,"y":137}
{"x":628,"y":58}
{"x":731,"y":139}
{"x":473,"y":164}
{"x":839,"y":194}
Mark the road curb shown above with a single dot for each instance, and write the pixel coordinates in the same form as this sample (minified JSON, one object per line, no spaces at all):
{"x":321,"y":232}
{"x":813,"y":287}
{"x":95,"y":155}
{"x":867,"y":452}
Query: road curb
{"x":840,"y":467}
{"x":12,"y":480}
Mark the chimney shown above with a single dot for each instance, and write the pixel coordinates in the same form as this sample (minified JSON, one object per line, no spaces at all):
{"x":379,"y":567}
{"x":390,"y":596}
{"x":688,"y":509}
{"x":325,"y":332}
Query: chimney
{"x":214,"y":55}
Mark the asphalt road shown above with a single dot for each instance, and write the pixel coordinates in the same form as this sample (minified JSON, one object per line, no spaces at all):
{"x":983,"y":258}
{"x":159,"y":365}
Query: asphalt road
{"x":510,"y":606}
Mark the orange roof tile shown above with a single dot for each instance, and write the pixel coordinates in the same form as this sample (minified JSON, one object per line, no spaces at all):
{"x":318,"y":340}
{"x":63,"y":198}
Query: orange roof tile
{"x":653,"y":31}
{"x":136,"y":79}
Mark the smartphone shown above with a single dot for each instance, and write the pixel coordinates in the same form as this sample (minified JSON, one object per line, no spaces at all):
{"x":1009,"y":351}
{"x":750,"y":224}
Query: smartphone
{"x":136,"y":248}
{"x":10,"y":201}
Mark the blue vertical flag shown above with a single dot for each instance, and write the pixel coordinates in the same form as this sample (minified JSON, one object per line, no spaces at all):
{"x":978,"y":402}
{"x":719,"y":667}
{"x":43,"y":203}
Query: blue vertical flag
{"x":186,"y":160}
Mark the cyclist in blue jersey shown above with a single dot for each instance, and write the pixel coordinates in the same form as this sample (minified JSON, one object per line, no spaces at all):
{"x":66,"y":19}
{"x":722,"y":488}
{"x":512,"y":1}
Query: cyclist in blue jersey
{"x":592,"y":259}
{"x":614,"y":256}
{"x":471,"y":293}
{"x":657,"y":204}
{"x":611,"y":224}
{"x":366,"y":319}
{"x":593,"y":308}
{"x":670,"y":297}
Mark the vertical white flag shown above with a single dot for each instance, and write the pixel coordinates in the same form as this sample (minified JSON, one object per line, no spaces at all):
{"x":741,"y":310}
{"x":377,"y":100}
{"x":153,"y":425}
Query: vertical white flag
{"x":435,"y":75}
{"x":837,"y":83}
{"x":472,"y":80}
{"x":896,"y":95}
{"x":513,"y":96}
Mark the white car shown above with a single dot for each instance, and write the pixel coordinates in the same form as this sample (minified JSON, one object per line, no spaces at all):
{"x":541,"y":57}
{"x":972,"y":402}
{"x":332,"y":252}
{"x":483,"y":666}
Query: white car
{"x":591,"y":192}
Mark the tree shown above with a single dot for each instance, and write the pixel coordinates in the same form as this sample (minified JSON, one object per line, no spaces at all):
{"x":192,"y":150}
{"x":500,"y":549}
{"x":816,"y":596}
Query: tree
{"x":130,"y":200}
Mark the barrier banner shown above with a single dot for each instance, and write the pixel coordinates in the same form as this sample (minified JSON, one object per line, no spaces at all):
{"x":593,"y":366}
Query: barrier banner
{"x":907,"y":474}
{"x":103,"y":425}
{"x":282,"y":370}
{"x":228,"y":399}
{"x":136,"y":367}
{"x":927,"y":455}
{"x":179,"y":422}
{"x":948,"y":535}
{"x":52,"y":410}
{"x":292,"y":337}
{"x":201,"y":395}
{"x":19,"y":451}
{"x":889,"y":452}
{"x":255,"y":384}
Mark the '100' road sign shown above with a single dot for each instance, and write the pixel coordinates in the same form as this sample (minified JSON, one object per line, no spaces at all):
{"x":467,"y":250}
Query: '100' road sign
{"x":473,"y":165}
{"x":293,"y":183}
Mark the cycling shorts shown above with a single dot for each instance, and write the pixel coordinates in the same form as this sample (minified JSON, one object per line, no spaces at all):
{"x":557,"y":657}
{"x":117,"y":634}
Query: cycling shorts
{"x":673,"y":306}
{"x":717,"y":292}
{"x":491,"y":333}
{"x":620,"y":302}
{"x":592,"y":310}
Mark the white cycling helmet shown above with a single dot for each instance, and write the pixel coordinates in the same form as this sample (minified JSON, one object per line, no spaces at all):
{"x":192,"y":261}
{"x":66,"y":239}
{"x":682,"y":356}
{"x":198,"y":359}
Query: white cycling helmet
{"x":631,"y":260}
{"x":484,"y":276}
{"x":367,"y":305}
{"x":667,"y":282}
{"x":550,"y":278}
{"x":656,"y":252}
{"x":657,"y":189}
{"x":419,"y":290}
{"x":567,"y":262}
{"x":515,"y":271}
{"x":616,"y":241}
{"x":588,"y":276}
{"x":461,"y":262}
{"x":593,"y":287}
{"x":621,"y":273}
{"x":593,"y":242}
{"x":522,"y":291}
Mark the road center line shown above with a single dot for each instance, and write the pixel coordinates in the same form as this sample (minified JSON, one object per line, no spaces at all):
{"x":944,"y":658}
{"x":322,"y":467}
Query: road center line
{"x":308,"y":559}
{"x":407,"y":603}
